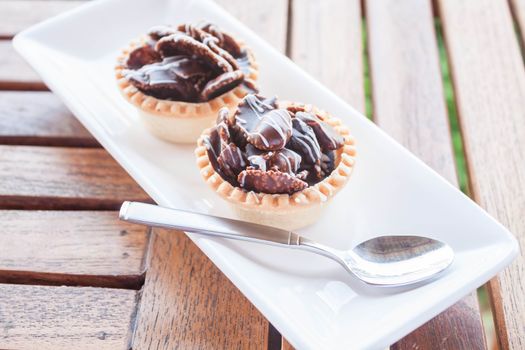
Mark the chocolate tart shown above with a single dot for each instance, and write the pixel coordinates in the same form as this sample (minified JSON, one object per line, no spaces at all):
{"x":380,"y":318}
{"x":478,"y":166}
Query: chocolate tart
{"x":277,"y":163}
{"x":179,"y":78}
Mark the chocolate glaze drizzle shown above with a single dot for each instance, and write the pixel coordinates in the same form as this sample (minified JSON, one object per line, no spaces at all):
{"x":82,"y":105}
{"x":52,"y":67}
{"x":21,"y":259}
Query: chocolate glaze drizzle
{"x":188,"y":63}
{"x":268,"y":149}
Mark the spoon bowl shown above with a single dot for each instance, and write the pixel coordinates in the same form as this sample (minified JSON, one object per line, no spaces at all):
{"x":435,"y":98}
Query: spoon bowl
{"x":390,"y":260}
{"x":400,"y":260}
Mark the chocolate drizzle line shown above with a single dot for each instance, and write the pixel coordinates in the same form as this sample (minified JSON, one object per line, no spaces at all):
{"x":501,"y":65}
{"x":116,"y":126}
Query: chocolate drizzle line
{"x":264,"y":148}
{"x":188,"y":63}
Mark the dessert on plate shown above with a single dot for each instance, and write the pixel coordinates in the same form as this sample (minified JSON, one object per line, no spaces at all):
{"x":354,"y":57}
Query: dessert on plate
{"x":277,"y":163}
{"x":179,"y":78}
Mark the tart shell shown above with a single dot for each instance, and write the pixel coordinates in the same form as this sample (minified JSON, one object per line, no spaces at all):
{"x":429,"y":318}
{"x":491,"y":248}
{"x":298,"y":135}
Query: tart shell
{"x":285,"y":211}
{"x":177,"y":121}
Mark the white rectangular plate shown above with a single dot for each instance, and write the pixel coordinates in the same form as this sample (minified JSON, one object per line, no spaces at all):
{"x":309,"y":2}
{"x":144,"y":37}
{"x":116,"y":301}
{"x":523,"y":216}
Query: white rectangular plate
{"x":309,"y":299}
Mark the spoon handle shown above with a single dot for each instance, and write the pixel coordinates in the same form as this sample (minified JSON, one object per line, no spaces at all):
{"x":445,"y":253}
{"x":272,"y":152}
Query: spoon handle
{"x":153,"y":215}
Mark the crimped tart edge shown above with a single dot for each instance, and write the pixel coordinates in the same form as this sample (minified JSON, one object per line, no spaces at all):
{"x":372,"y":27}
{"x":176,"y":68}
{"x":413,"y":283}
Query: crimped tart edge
{"x":317,"y":194}
{"x":179,"y":109}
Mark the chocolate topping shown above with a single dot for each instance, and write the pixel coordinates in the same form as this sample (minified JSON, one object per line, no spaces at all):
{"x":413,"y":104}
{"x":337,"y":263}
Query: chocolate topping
{"x":304,"y":142}
{"x":268,"y":149}
{"x":141,"y":56}
{"x":270,"y":181}
{"x":231,"y":160}
{"x":188,"y":63}
{"x":285,"y":161}
{"x":157,"y":32}
{"x":181,"y":44}
{"x":264,"y":126}
{"x":221,"y":84}
{"x":272,"y":131}
{"x":176,"y":77}
{"x":225,"y":40}
{"x":327,"y":136}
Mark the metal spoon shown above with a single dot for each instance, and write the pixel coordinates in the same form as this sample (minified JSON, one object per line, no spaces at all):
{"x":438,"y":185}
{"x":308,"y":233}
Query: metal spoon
{"x":381,"y":261}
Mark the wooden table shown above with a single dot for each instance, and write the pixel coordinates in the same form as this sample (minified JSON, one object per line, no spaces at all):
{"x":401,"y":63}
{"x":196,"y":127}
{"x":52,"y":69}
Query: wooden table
{"x":73,"y":276}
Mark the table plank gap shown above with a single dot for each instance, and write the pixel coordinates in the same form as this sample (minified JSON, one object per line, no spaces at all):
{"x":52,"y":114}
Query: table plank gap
{"x":42,"y":317}
{"x":289,"y":29}
{"x":186,"y":302}
{"x":489,"y":80}
{"x":63,"y":178}
{"x":82,"y":248}
{"x":409,"y":104}
{"x":73,"y":280}
{"x":275,"y":338}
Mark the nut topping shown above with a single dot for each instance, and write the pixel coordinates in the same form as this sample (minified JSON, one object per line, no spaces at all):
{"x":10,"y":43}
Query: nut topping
{"x":267,"y":149}
{"x":188,"y":63}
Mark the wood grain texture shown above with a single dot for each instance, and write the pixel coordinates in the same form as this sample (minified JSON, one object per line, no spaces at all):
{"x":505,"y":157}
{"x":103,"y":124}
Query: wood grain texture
{"x":518,"y":8}
{"x":37,"y":317}
{"x":71,"y":248}
{"x":39,"y":118}
{"x":227,"y":324}
{"x":406,"y":80}
{"x":409,"y":104}
{"x":459,"y":327}
{"x":489,"y":81}
{"x":63,"y":178}
{"x":326,"y":41}
{"x":286,"y":345}
{"x":266,"y":18}
{"x":187,"y":303}
{"x":15,"y":73}
{"x":20,"y":14}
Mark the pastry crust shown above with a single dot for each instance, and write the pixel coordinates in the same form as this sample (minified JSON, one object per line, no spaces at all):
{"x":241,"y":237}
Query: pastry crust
{"x":178,"y":121}
{"x":284,"y":210}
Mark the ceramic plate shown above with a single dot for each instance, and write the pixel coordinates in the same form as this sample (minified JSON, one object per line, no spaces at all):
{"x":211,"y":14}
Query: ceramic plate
{"x":312,"y":301}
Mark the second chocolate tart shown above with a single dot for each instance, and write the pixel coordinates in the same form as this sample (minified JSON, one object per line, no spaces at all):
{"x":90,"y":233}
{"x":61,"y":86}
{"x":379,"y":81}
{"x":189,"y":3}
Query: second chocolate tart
{"x":179,"y":77}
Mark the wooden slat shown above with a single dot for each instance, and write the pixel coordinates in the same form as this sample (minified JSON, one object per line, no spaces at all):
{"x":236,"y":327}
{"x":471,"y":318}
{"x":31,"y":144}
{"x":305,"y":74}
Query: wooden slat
{"x":71,"y":248}
{"x":39,"y":118}
{"x":267,"y":18}
{"x":20,"y":14}
{"x":15,"y":73}
{"x":187,"y":303}
{"x":326,"y":41}
{"x":37,"y":317}
{"x":459,"y":327}
{"x":489,"y":81}
{"x":409,"y":104}
{"x":285,"y":345}
{"x":518,"y":8}
{"x":227,"y":324}
{"x":406,"y":80}
{"x":63,"y":178}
